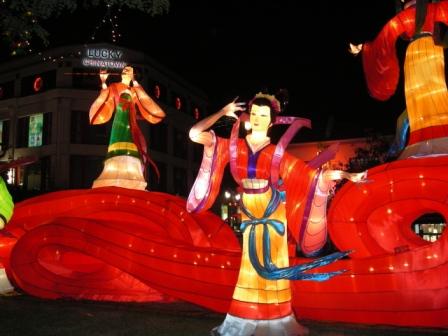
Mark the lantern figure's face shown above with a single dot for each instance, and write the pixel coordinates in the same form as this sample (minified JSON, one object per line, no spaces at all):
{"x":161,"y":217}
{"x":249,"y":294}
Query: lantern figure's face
{"x":127,"y":75}
{"x":260,"y":118}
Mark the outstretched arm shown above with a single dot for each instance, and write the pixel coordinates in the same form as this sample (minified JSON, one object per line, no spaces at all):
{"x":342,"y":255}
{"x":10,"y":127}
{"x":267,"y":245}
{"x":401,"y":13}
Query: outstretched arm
{"x":335,"y":175}
{"x":355,"y":49}
{"x":103,"y":106}
{"x":379,"y":58}
{"x":199,"y":134}
{"x":216,"y":156}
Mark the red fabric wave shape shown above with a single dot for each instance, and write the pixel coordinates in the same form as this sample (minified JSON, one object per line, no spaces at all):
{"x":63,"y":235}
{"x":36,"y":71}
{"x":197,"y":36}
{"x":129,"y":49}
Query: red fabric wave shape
{"x":118,"y":244}
{"x":394,"y":276}
{"x":124,"y":245}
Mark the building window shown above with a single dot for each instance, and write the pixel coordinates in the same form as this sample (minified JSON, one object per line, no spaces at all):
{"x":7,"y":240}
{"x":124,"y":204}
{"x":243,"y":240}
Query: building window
{"x":36,"y":177}
{"x":81,"y":132}
{"x":230,"y":209}
{"x":180,"y":181}
{"x":157,"y":91}
{"x":178,"y":103}
{"x":84,"y":170}
{"x":11,"y":176}
{"x":47,"y":135}
{"x":38,"y":83}
{"x":180,"y":144}
{"x":158,"y":139}
{"x":34,"y":130}
{"x":4,"y":135}
{"x":7,"y":90}
{"x":22,"y":132}
{"x":196,"y":113}
{"x":154,"y":183}
{"x":430,"y":226}
{"x":198,"y":152}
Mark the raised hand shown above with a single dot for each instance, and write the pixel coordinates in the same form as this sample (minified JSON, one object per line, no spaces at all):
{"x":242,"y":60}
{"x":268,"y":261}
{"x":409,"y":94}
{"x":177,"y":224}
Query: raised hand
{"x":230,"y":109}
{"x":355,"y":49}
{"x":103,"y":76}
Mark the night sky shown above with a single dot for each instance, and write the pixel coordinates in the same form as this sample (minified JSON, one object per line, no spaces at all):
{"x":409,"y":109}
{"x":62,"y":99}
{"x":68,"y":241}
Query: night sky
{"x":236,"y":48}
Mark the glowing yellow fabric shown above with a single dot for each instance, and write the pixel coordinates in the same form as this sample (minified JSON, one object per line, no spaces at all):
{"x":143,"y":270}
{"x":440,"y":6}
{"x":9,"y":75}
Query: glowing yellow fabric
{"x":250,"y":286}
{"x":425,"y":86}
{"x":122,"y":146}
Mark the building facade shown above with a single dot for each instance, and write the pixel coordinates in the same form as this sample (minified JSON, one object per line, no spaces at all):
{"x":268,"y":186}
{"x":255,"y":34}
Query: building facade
{"x":44,"y":113}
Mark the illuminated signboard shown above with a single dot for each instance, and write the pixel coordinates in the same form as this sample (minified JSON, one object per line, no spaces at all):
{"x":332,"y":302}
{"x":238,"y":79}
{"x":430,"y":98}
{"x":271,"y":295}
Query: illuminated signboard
{"x":103,"y":58}
{"x":35,"y":130}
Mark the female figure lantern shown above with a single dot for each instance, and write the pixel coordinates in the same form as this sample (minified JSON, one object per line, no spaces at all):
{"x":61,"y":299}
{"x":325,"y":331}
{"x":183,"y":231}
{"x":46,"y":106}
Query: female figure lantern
{"x":127,"y":147}
{"x":423,"y":23}
{"x":276,"y":188}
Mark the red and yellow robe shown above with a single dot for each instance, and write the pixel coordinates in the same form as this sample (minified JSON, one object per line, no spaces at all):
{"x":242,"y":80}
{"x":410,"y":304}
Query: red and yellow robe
{"x":256,"y":297}
{"x":424,"y":70}
{"x":126,"y":139}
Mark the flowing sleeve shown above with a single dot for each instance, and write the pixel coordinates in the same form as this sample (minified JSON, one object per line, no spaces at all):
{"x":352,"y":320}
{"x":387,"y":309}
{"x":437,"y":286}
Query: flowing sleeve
{"x":298,"y":181}
{"x":208,"y":182}
{"x":147,"y":107}
{"x":380,"y":61}
{"x":102,"y":108}
{"x":306,"y":200}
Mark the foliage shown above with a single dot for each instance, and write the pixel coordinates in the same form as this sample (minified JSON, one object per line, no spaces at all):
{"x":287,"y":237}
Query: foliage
{"x":151,"y":7}
{"x":373,"y":154}
{"x":20,"y":19}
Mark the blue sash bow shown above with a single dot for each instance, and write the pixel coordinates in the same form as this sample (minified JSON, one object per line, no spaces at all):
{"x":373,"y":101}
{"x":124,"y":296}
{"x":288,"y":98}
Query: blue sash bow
{"x":269,"y":270}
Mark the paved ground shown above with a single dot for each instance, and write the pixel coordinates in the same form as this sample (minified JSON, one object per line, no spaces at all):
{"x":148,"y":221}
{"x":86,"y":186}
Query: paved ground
{"x":25,"y":315}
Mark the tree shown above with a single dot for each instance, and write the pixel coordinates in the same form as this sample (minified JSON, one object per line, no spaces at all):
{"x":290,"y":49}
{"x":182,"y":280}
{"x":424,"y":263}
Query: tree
{"x":373,"y":154}
{"x":20,"y":20}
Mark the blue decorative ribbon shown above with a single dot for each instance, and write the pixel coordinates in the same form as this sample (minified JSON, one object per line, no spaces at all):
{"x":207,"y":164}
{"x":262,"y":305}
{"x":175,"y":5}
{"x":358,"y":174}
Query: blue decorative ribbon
{"x":269,"y":270}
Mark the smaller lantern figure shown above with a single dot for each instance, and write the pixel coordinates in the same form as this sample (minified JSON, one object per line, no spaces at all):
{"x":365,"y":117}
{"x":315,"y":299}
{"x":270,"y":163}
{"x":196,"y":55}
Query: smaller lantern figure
{"x":127,"y":154}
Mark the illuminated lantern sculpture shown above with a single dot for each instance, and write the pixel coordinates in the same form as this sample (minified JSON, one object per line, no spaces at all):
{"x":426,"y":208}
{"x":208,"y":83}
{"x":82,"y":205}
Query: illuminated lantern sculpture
{"x":127,"y":154}
{"x":424,"y":72}
{"x":6,"y":204}
{"x":395,"y":276}
{"x":6,"y":208}
{"x":280,"y":192}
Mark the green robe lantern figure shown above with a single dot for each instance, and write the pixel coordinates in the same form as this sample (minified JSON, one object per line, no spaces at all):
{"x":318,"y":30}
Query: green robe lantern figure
{"x":127,"y":154}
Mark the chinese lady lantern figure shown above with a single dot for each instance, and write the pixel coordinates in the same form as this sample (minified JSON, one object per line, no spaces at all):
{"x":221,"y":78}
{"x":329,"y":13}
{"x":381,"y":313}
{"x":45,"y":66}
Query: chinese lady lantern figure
{"x":423,"y":24}
{"x":127,"y":154}
{"x":280,"y":192}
